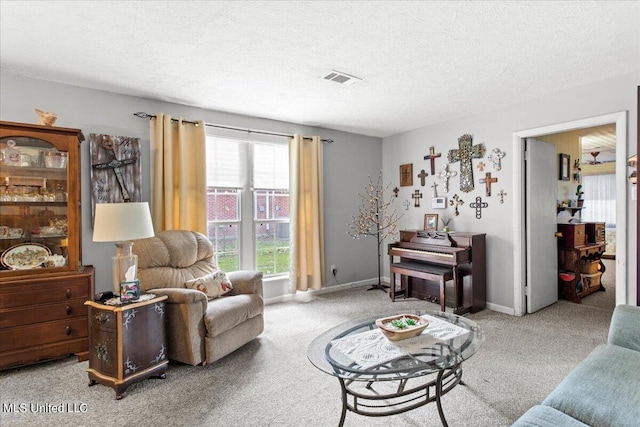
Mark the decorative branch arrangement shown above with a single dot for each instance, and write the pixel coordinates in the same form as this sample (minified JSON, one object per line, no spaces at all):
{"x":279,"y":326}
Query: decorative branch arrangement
{"x":376,"y":219}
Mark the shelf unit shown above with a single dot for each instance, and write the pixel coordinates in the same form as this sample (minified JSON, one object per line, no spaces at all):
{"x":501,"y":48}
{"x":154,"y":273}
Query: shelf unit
{"x":43,"y":284}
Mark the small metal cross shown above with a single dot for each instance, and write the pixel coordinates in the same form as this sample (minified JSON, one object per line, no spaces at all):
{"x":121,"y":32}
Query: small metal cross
{"x":455,"y":202}
{"x":422,"y":175}
{"x":395,"y":191}
{"x":406,"y":204}
{"x":417,"y":195}
{"x":435,"y":189}
{"x":445,"y":174}
{"x":478,"y":205}
{"x":432,"y":156}
{"x":495,"y":157}
{"x":502,"y":193}
{"x":487,"y":180}
{"x":480,"y":166}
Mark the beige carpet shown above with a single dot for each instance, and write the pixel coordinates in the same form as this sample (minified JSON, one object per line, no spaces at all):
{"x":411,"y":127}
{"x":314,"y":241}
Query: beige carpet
{"x":270,"y":381}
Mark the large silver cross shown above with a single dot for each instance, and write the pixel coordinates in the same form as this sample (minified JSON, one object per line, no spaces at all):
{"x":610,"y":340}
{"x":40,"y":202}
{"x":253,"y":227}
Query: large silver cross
{"x":465,"y":152}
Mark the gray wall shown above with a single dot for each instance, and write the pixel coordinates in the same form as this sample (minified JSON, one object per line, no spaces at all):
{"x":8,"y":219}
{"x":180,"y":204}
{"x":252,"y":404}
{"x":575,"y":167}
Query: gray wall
{"x":495,"y":129}
{"x":348,"y":163}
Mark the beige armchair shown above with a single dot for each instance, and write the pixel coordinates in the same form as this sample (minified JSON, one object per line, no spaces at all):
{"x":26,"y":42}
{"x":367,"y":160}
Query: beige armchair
{"x":199,"y":331}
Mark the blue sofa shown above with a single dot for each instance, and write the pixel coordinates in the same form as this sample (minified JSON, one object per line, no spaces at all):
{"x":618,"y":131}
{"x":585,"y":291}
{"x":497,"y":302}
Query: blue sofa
{"x":604,"y":389}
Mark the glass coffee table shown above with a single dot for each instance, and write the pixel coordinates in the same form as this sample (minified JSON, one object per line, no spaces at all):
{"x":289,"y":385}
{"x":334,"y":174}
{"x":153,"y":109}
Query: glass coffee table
{"x":379,"y":377}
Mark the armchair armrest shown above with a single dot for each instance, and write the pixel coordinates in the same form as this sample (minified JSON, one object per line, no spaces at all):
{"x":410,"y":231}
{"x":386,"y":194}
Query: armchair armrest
{"x":625,"y":327}
{"x":185,"y":324}
{"x":246,"y":282}
{"x":182,"y":296}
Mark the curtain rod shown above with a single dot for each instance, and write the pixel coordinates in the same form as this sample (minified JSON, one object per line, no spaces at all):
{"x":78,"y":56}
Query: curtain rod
{"x":143,"y":115}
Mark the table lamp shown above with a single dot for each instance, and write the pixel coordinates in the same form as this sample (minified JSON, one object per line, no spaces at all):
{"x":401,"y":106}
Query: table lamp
{"x":121,"y":223}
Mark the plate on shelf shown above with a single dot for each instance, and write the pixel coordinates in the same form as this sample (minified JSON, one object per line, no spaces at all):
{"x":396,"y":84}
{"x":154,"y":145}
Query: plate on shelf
{"x":25,"y":256}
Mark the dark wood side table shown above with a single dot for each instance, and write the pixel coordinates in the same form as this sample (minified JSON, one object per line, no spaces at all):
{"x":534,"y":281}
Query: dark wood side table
{"x":127,"y":343}
{"x":568,"y":259}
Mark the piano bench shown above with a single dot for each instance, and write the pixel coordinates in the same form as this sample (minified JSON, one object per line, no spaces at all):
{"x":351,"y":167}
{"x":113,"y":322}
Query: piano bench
{"x":424,"y":271}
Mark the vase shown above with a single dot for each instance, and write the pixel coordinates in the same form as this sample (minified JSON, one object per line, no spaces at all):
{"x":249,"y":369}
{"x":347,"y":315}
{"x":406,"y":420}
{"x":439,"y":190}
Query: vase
{"x":445,"y":228}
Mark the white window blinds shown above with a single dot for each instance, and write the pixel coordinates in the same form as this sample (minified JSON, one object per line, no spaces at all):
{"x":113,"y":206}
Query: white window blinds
{"x":226,"y":160}
{"x":271,"y":166}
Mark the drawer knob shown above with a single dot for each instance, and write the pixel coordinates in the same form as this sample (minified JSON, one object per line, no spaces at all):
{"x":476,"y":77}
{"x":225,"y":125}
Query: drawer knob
{"x":68,"y":293}
{"x":68,"y":310}
{"x":68,"y":330}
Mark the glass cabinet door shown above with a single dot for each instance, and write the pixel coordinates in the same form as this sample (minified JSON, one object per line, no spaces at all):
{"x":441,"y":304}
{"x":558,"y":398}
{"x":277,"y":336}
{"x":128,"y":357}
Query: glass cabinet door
{"x":34,"y":209}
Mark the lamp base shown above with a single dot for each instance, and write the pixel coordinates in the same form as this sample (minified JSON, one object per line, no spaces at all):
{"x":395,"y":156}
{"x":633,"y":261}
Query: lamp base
{"x":125,"y":265}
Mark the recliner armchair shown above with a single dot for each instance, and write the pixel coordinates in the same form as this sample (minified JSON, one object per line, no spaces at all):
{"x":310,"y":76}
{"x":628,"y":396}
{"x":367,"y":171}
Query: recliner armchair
{"x":199,"y":331}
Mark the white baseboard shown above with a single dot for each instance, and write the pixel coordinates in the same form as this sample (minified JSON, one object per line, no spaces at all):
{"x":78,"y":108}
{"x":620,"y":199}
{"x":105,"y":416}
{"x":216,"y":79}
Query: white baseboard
{"x":501,"y":308}
{"x":307,"y":295}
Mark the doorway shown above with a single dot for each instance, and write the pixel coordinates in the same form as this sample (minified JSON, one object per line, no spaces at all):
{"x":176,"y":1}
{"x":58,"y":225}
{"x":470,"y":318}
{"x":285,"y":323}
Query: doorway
{"x":521,"y":257}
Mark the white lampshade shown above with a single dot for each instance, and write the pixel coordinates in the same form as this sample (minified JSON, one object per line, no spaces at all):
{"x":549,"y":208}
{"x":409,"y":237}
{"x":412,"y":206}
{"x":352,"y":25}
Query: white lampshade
{"x":121,"y":223}
{"x":117,"y":222}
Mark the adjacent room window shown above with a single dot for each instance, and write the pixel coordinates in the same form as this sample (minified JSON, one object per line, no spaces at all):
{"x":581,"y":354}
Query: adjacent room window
{"x":600,"y":199}
{"x":248,"y":204}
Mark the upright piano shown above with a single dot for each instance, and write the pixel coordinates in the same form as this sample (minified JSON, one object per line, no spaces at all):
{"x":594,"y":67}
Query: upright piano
{"x":464,"y":253}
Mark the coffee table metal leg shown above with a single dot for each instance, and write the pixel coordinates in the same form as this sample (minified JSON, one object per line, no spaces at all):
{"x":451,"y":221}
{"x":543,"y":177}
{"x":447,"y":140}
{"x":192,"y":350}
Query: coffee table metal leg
{"x":438,"y":397}
{"x":344,"y":402}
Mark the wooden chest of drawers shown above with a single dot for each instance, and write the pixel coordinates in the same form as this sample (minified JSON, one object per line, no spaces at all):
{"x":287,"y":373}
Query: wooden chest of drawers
{"x":595,"y":232}
{"x":127,"y":343}
{"x":573,"y":235}
{"x":44,"y":317}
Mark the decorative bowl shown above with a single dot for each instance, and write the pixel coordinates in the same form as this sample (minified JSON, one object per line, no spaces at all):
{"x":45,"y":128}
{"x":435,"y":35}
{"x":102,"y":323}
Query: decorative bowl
{"x":402,"y":326}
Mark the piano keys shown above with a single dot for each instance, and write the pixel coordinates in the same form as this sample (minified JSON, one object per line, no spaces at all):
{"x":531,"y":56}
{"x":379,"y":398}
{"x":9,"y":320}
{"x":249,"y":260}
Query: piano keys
{"x":464,"y":253}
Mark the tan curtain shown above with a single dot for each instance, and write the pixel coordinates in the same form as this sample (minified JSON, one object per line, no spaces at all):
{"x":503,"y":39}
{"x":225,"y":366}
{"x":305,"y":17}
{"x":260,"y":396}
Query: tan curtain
{"x":307,"y":229}
{"x":179,"y":184}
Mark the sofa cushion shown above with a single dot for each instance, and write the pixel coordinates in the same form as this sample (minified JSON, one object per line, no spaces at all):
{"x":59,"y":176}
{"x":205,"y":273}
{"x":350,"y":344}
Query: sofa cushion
{"x":546,"y":416}
{"x":227,"y":312}
{"x":213,"y":285}
{"x":603,"y":390}
{"x":625,"y":327}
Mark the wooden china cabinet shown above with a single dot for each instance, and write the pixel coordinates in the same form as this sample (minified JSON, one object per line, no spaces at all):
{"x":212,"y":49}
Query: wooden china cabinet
{"x":43,"y":284}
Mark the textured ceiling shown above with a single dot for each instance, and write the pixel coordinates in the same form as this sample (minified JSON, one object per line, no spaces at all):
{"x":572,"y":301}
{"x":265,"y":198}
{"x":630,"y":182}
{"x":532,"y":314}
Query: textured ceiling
{"x":421,"y":62}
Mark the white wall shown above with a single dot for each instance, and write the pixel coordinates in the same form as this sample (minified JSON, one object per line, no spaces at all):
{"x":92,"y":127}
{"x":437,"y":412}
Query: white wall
{"x":495,"y":129}
{"x":348,"y":162}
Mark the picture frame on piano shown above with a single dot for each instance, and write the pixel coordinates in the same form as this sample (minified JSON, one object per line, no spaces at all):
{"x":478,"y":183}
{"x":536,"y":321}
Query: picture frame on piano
{"x":431,"y":222}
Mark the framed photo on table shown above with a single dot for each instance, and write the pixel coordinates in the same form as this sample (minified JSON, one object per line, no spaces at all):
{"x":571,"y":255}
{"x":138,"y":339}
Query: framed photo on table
{"x":431,"y":222}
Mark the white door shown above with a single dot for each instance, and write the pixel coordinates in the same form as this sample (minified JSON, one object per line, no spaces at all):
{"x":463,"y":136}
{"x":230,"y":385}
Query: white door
{"x":542,"y":252}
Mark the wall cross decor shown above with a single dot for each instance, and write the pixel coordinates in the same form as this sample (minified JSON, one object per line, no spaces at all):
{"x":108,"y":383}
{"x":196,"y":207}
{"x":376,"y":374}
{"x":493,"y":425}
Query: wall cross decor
{"x":480,"y":166}
{"x":495,"y":156}
{"x":395,"y":191}
{"x":416,"y":196}
{"x":478,"y":205}
{"x":422,"y":175}
{"x":116,"y":174}
{"x":445,"y":174}
{"x":465,"y":152}
{"x":432,"y":156}
{"x":487,"y":181}
{"x":406,"y":204}
{"x":435,"y":189}
{"x":455,"y":202}
{"x":501,"y":194}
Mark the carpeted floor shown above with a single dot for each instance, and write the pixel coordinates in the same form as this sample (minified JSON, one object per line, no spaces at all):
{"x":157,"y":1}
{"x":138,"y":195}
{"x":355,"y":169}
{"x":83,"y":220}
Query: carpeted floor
{"x":270,"y":381}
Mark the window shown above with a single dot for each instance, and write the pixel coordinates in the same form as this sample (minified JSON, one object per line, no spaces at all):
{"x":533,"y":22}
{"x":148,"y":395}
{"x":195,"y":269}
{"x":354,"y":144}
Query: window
{"x":600,"y":199}
{"x":248,"y":204}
